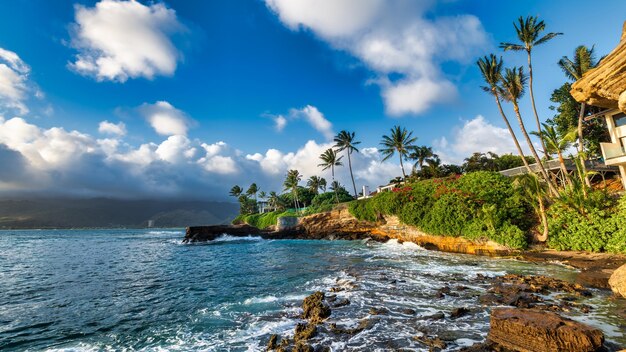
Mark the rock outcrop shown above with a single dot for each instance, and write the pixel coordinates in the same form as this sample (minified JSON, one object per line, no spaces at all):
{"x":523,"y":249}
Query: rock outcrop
{"x":529,"y":330}
{"x":209,"y":233}
{"x":618,"y":281}
{"x":314,"y":308}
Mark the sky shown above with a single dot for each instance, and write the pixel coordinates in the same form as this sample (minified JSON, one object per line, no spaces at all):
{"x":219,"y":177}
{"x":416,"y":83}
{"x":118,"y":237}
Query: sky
{"x":184,"y":99}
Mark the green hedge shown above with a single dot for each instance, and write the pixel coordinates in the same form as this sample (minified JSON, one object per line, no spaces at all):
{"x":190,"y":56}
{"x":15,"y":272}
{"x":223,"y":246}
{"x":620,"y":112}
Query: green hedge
{"x":262,"y":221}
{"x":478,"y":205}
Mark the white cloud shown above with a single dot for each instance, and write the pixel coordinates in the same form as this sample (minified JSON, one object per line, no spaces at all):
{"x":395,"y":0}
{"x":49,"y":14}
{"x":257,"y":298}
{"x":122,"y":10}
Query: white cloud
{"x":311,"y":115}
{"x":392,"y":37}
{"x":106,"y":127}
{"x":13,"y":81}
{"x":118,"y":39}
{"x":280,"y":122}
{"x":165,"y":118}
{"x":476,"y":135}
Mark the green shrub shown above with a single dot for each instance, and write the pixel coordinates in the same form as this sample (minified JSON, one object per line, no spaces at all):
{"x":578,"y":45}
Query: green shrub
{"x":617,"y":242}
{"x":448,"y":216}
{"x":362,"y":210}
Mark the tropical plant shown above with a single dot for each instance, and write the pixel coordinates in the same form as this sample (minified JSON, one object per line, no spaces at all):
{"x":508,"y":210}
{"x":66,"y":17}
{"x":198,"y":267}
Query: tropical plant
{"x":236,"y":191}
{"x":536,"y":194}
{"x":557,"y":144}
{"x":315,"y":183}
{"x":491,"y":70}
{"x":399,"y":141}
{"x":420,"y":154}
{"x":253,"y":190}
{"x":584,"y":60}
{"x":330,"y":159}
{"x":529,"y":32}
{"x":291,"y":184}
{"x":273,"y":201}
{"x":513,"y":85}
{"x":344,"y":140}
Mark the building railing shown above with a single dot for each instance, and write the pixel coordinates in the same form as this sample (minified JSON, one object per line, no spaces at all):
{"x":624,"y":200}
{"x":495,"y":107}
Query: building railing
{"x":612,"y":150}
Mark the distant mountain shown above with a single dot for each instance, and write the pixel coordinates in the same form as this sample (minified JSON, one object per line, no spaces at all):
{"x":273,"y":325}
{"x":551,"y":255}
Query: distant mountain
{"x":104,"y":212}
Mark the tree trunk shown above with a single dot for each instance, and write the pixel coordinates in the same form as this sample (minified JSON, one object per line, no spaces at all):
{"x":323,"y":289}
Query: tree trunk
{"x":402,"y":166}
{"x":332,"y":171}
{"x":544,"y":219}
{"x":351,"y":175}
{"x":564,"y":168}
{"x":532,"y":101}
{"x":581,"y":148}
{"x":508,"y":125}
{"x":542,"y":169}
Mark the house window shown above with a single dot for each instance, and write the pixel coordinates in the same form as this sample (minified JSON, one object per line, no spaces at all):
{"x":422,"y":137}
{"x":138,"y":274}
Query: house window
{"x":619,"y":119}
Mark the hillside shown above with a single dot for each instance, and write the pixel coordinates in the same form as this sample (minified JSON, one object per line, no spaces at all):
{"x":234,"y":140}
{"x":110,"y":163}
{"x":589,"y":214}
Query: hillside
{"x":103,"y":212}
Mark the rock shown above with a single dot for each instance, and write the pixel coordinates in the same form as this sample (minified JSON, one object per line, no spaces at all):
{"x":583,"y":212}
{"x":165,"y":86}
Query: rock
{"x":539,"y":331}
{"x":378,"y":311}
{"x":284,"y":345}
{"x":302,"y":346}
{"x":314,"y":308}
{"x":409,"y":311}
{"x":436,"y":316}
{"x":432,"y":342}
{"x":341,"y":303}
{"x":618,"y":281}
{"x":272,"y":343}
{"x":459,"y":312}
{"x":304,"y":332}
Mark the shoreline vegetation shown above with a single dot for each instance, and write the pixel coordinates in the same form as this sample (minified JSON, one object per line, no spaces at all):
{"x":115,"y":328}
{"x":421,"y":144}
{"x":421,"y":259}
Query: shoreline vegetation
{"x":561,"y":211}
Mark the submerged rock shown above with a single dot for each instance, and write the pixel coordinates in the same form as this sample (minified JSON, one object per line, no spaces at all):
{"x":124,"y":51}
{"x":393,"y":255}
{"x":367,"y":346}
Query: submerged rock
{"x":432,"y":342}
{"x":539,"y":331}
{"x":272,"y":343}
{"x":459,"y":312}
{"x":304,"y":332}
{"x":314,"y":308}
{"x":618,"y":281}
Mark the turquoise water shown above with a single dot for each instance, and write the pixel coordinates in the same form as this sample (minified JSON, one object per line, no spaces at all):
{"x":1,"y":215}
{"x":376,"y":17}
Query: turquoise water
{"x":133,"y":290}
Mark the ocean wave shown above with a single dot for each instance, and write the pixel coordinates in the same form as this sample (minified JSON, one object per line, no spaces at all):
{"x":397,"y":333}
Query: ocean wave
{"x":229,"y":238}
{"x":166,"y":232}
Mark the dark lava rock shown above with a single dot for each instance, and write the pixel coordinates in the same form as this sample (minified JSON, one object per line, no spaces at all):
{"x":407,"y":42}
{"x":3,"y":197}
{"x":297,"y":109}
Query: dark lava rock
{"x":432,"y":342}
{"x":314,"y":308}
{"x":272,"y":343}
{"x":304,"y":332}
{"x":283,"y":346}
{"x":459,"y":312}
{"x":379,"y":311}
{"x":436,"y":316}
{"x":540,"y":331}
{"x":409,"y":311}
{"x":341,"y":303}
{"x":302,"y":346}
{"x":364,"y":324}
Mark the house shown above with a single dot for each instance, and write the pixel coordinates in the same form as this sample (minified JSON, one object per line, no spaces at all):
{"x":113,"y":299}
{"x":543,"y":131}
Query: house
{"x":605,"y":86}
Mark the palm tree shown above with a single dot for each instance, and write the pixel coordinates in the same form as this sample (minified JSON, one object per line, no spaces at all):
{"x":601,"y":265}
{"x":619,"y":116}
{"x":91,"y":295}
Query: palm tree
{"x":329,"y":161}
{"x":491,"y":69}
{"x":291,"y":183}
{"x":513,"y":85}
{"x":420,"y":154}
{"x":273,"y":200}
{"x":584,"y":60}
{"x":335,"y":186}
{"x":528,"y":32}
{"x":253,"y":190}
{"x":400,"y":141}
{"x":558,"y":144}
{"x":535,"y":192}
{"x":344,"y":140}
{"x":236,"y":191}
{"x":315,"y":183}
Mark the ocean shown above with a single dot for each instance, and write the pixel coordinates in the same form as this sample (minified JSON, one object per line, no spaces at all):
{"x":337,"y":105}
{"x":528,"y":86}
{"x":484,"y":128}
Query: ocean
{"x":143,"y":290}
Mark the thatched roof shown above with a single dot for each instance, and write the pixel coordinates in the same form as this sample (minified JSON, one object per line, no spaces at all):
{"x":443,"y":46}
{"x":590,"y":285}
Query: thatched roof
{"x":603,"y":85}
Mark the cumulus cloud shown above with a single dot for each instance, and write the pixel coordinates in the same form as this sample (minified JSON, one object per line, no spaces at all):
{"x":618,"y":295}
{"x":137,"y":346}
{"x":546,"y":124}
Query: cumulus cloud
{"x":165,"y":118}
{"x":13,"y":81}
{"x":392,"y":38}
{"x":476,"y":135}
{"x":311,"y":115}
{"x":279,"y":122}
{"x":117,"y":40}
{"x":106,"y":127}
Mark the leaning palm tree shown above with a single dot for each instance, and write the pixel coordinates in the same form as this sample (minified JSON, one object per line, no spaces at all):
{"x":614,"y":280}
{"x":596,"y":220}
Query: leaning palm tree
{"x":315,"y":183}
{"x":291,"y":184}
{"x":344,"y":140}
{"x":513,"y":85}
{"x":400,"y":141}
{"x":529,"y":34}
{"x":253,"y":190}
{"x":535,"y":192}
{"x":236,"y":191}
{"x":491,"y":70}
{"x":584,"y":60}
{"x":330,"y":159}
{"x":557,"y":144}
{"x":420,"y":154}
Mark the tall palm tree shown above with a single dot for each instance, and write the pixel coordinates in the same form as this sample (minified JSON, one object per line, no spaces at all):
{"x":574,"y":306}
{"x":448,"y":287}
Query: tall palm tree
{"x":315,"y":183}
{"x":557,"y":144}
{"x":584,"y":60}
{"x":291,"y":183}
{"x":529,"y":34}
{"x":491,"y":69}
{"x":273,"y":200}
{"x":253,"y":190}
{"x":344,"y":140}
{"x":330,"y":159}
{"x":514,"y":85}
{"x":236,"y":191}
{"x":401,"y":141}
{"x":420,"y":154}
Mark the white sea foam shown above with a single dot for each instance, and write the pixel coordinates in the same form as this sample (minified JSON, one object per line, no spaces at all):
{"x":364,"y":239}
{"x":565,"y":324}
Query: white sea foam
{"x":166,"y":232}
{"x":229,"y":238}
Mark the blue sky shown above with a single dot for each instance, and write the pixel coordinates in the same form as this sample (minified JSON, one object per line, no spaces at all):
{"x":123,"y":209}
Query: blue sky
{"x":191,"y":91}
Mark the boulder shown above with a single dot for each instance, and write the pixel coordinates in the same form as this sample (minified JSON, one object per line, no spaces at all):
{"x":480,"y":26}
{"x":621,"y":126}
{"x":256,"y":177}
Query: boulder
{"x":618,"y":281}
{"x":528,"y":330}
{"x":314,"y":308}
